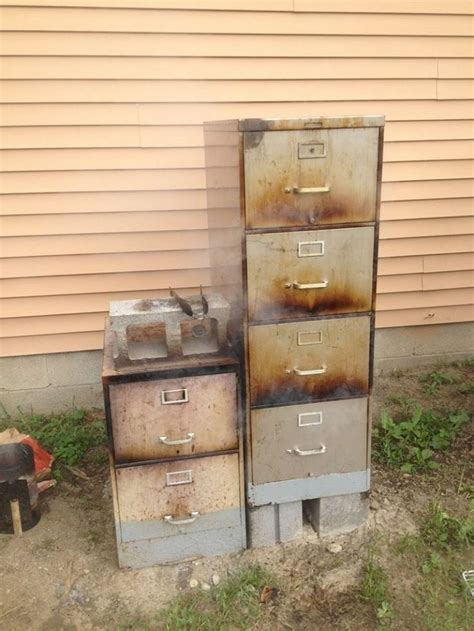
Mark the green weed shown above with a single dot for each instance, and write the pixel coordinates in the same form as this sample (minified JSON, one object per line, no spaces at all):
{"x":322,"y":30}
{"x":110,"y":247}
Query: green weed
{"x":66,"y":435}
{"x":411,"y":443}
{"x":234,"y":604}
{"x":375,"y":588}
{"x":442,"y":531}
{"x":433,"y":380}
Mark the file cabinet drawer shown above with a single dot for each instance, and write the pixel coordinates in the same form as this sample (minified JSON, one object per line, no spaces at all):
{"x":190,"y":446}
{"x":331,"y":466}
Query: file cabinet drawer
{"x":165,"y":499}
{"x":166,"y":418}
{"x":308,"y":361}
{"x":308,"y":177}
{"x":299,"y":441}
{"x":311,"y":273}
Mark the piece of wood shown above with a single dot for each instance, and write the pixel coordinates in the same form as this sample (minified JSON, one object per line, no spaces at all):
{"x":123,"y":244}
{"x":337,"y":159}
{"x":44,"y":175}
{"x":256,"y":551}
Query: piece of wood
{"x":16,"y":517}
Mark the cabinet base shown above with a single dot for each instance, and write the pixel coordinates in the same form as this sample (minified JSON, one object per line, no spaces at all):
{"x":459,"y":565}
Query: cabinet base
{"x":308,"y":488}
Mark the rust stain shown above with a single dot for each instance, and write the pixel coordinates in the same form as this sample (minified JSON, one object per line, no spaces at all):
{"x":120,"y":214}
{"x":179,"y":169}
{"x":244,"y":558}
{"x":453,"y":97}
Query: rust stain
{"x":146,"y":332}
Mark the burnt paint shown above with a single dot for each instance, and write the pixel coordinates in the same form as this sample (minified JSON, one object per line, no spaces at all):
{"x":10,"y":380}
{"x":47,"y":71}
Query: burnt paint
{"x":306,"y":389}
{"x":253,"y":139}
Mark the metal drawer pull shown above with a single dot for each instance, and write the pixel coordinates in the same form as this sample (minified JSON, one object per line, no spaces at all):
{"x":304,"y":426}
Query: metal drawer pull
{"x":314,"y":371}
{"x":311,"y":189}
{"x":183,"y":398}
{"x":308,"y":452}
{"x":169,"y":519}
{"x":322,"y":285}
{"x":183,"y":441}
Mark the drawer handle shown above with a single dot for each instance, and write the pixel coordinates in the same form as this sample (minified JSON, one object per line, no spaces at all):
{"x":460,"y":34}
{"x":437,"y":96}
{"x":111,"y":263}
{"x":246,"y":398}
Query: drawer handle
{"x":183,"y":441}
{"x":311,"y":189}
{"x":169,"y":519}
{"x":307,"y":373}
{"x":308,"y":452}
{"x":322,"y":285}
{"x":183,"y":396}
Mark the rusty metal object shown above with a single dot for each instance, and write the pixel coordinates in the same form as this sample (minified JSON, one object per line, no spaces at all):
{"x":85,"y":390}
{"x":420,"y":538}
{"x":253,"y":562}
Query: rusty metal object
{"x":311,"y":273}
{"x":287,"y":185}
{"x":335,"y":351}
{"x":177,"y":489}
{"x":154,"y":419}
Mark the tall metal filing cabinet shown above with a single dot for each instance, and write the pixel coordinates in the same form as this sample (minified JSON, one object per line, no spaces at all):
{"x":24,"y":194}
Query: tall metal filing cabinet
{"x":293,"y":219}
{"x":176,"y":457}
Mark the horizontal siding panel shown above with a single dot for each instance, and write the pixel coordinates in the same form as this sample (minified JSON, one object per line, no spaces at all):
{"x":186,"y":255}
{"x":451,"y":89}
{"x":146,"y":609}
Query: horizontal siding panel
{"x":322,"y":6}
{"x":402,"y":265}
{"x":33,"y":267}
{"x":427,"y":227}
{"x":102,"y":283}
{"x":162,"y":21}
{"x":52,"y":325}
{"x":463,"y":88}
{"x":193,"y":157}
{"x":427,"y":208}
{"x":412,"y":300}
{"x":124,"y":201}
{"x":228,"y":68}
{"x":433,"y":170}
{"x":428,"y":150}
{"x":448,"y":280}
{"x":416,"y":317}
{"x":122,"y":91}
{"x":26,"y":114}
{"x":455,"y":68}
{"x":96,"y":244}
{"x":96,"y":223}
{"x":436,"y":189}
{"x":426,"y":245}
{"x":399,"y":136}
{"x":59,"y":305}
{"x":398,"y":283}
{"x":62,"y":343}
{"x":448,"y":262}
{"x":173,"y":179}
{"x":205,"y":45}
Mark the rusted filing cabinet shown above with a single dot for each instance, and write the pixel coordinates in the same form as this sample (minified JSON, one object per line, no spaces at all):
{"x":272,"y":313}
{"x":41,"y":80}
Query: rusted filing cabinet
{"x":176,"y":457}
{"x":293,"y":217}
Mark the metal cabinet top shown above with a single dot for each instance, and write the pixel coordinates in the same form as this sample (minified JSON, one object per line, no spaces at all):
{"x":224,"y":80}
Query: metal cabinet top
{"x":323,"y":122}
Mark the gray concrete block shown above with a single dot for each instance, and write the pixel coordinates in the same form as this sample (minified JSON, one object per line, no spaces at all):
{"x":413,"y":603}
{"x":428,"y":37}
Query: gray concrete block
{"x":262,"y":526}
{"x":73,"y":369}
{"x":290,"y":520}
{"x":337,"y":515}
{"x":53,"y":399}
{"x":19,"y":373}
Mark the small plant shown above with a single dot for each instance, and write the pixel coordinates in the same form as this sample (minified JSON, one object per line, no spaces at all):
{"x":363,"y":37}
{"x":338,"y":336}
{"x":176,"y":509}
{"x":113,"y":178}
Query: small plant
{"x":432,"y":563}
{"x":233,"y":604}
{"x":411,"y":443}
{"x":435,"y":379}
{"x":375,"y":588}
{"x":442,"y":531}
{"x":67,"y":436}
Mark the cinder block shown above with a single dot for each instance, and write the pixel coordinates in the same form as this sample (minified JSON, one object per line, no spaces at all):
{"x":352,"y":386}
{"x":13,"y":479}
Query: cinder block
{"x":338,"y":514}
{"x":290,"y":520}
{"x":262,"y":526}
{"x":275,"y":523}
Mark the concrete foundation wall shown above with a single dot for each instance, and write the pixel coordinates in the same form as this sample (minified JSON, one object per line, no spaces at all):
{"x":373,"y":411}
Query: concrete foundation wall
{"x":54,"y":382}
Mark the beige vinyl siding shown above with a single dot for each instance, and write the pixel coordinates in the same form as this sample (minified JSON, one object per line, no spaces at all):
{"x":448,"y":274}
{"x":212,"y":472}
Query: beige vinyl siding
{"x":102,"y":148}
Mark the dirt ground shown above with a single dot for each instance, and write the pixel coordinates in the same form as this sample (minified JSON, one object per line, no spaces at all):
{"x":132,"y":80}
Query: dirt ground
{"x":63,"y":574}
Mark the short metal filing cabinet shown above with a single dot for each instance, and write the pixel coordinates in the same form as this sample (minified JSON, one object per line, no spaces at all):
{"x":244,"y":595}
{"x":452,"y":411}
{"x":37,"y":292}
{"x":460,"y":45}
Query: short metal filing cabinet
{"x":293,"y":216}
{"x":176,"y":463}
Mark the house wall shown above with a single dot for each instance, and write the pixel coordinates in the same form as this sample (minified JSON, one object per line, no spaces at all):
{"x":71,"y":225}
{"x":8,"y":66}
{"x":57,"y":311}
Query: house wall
{"x":103,"y":183}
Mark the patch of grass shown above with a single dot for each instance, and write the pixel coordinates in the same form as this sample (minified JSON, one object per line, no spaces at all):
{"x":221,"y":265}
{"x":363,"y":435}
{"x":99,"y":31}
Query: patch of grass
{"x":442,"y":531}
{"x":67,"y":435}
{"x":411,"y":443}
{"x":233,"y":604}
{"x":433,"y":380}
{"x":375,"y":588}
